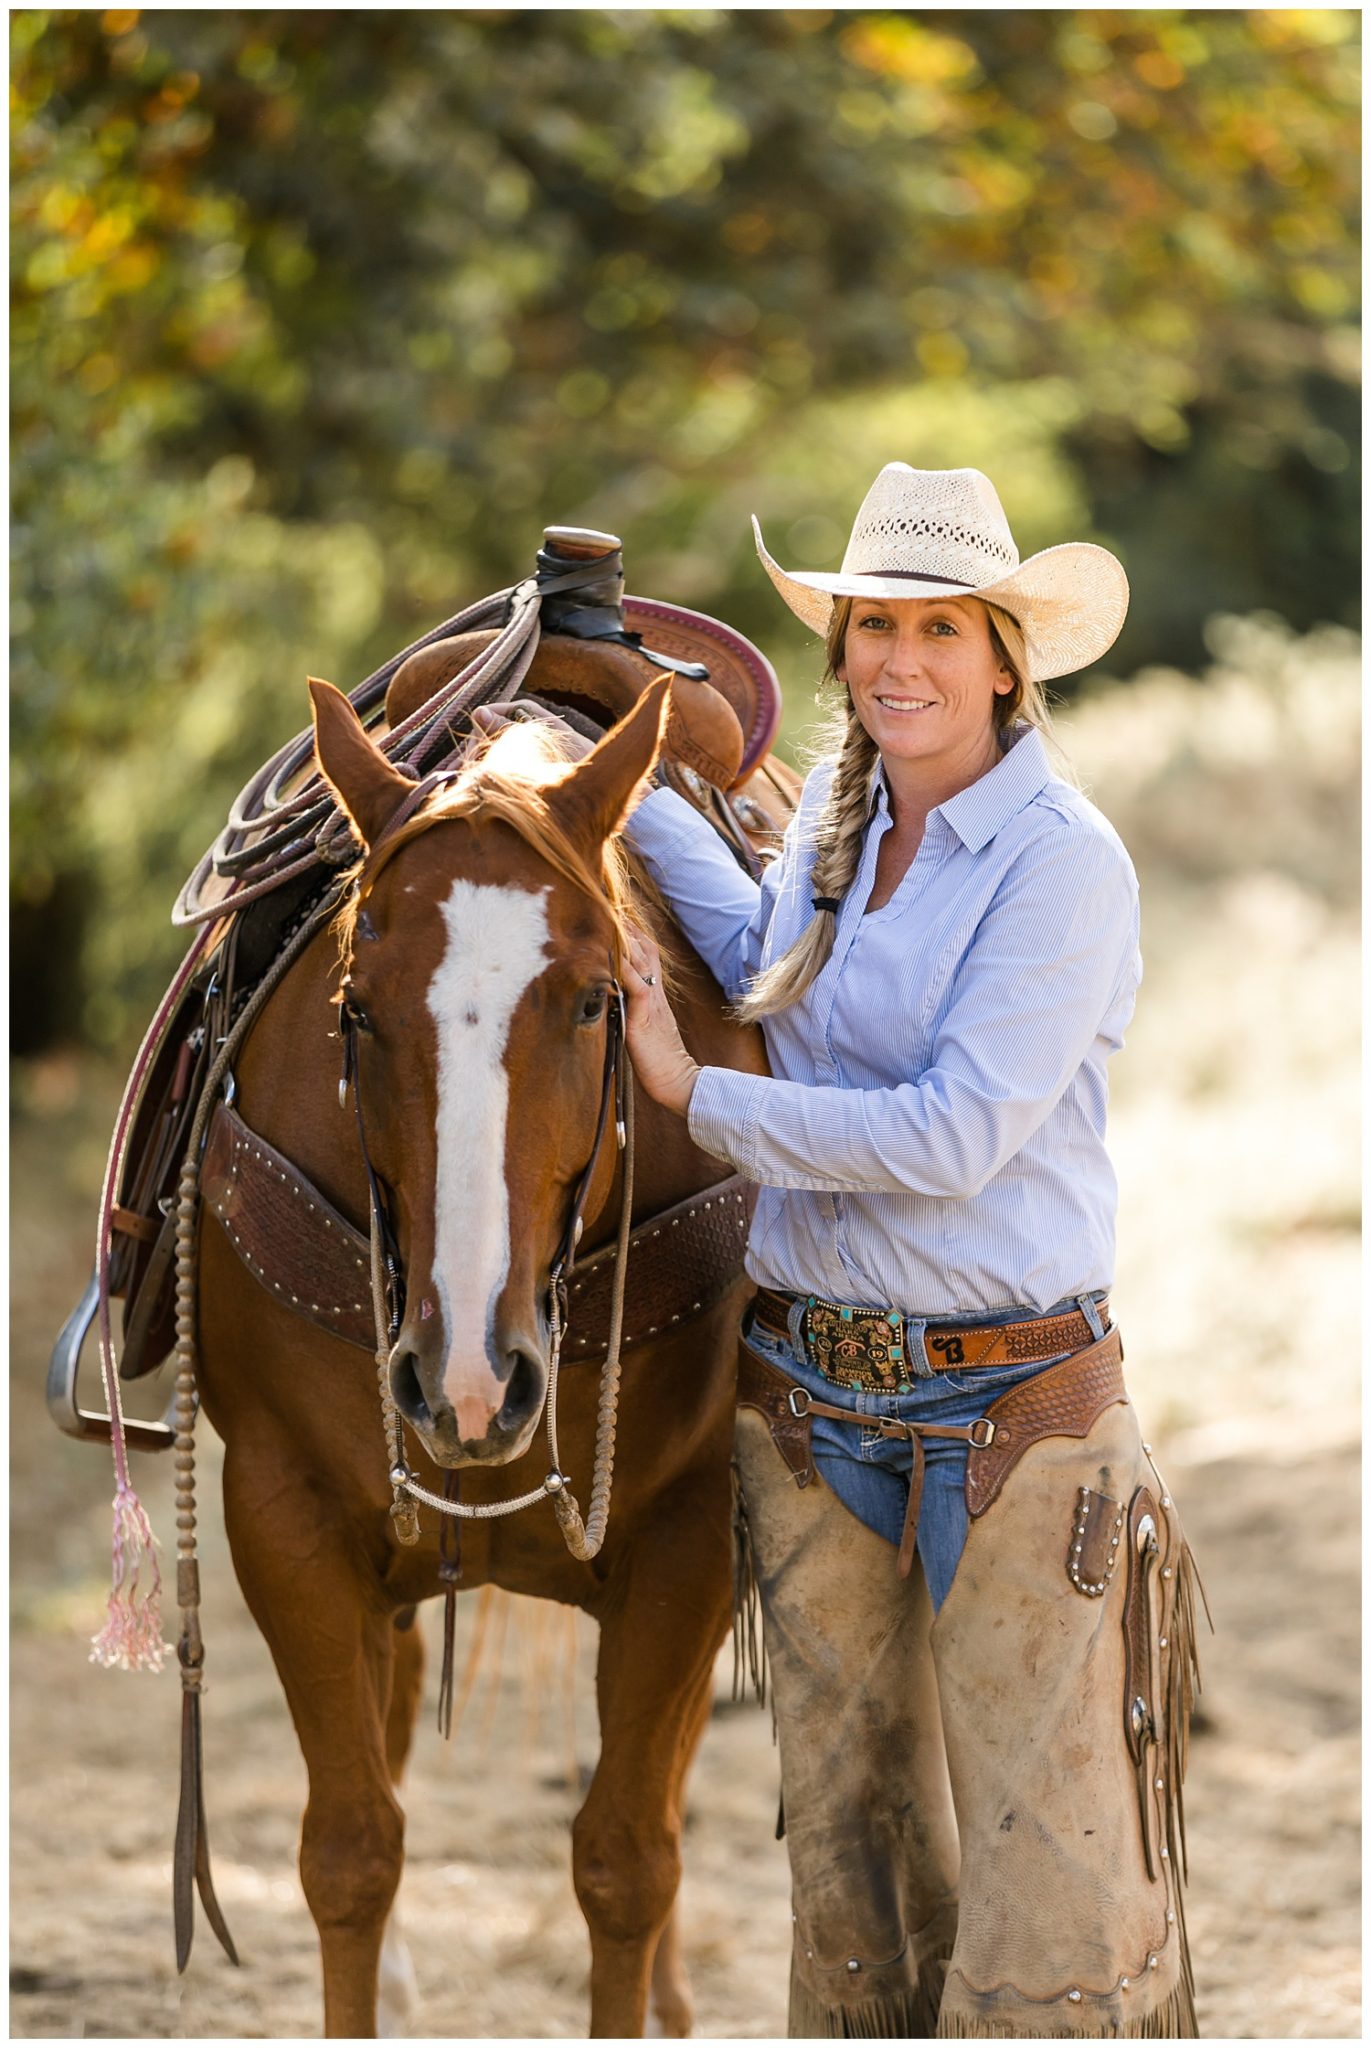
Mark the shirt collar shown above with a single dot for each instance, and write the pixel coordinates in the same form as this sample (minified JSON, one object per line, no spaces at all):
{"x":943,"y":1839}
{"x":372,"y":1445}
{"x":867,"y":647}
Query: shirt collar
{"x":978,"y":812}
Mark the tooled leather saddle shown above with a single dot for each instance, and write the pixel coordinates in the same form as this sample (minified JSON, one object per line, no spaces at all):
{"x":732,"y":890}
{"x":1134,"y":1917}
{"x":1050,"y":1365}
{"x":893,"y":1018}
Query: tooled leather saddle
{"x":597,"y":651}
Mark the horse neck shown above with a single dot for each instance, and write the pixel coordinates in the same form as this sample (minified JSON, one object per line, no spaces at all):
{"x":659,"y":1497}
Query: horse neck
{"x":288,"y":1077}
{"x":668,"y":1165}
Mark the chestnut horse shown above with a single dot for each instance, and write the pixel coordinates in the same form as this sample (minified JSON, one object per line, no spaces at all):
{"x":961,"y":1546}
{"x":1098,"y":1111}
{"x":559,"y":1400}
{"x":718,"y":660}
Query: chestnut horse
{"x":481,"y":956}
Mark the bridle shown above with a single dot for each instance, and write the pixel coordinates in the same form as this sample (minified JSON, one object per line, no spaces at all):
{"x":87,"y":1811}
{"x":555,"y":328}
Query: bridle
{"x":584,"y":1537}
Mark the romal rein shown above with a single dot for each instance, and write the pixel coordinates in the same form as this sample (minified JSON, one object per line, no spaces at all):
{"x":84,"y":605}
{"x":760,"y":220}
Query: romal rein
{"x":584,"y":1537}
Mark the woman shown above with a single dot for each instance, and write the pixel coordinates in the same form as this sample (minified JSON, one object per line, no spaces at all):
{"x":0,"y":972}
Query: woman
{"x":982,"y":1810}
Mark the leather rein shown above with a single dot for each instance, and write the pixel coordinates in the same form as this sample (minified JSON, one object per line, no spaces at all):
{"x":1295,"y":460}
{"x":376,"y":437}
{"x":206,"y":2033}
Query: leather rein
{"x":584,"y":1537}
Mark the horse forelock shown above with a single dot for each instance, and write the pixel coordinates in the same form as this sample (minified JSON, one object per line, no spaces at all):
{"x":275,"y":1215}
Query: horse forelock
{"x":506,"y":779}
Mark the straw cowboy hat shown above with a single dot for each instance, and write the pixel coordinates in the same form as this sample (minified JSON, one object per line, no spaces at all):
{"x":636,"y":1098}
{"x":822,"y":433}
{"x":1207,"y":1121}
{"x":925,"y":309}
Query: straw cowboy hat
{"x":943,"y":533}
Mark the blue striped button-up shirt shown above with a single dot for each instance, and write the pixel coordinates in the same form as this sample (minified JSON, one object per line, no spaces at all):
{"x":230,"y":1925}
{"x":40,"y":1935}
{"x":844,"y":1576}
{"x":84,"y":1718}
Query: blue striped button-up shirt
{"x":933,"y":1139}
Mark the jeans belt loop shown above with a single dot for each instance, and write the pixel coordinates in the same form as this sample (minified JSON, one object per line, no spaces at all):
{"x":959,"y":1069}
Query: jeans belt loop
{"x":915,"y":1349}
{"x":1091,"y":1314}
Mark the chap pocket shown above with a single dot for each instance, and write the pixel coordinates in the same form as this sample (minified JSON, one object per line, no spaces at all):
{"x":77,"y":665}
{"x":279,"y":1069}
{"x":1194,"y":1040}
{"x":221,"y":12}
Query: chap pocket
{"x":1096,"y":1542}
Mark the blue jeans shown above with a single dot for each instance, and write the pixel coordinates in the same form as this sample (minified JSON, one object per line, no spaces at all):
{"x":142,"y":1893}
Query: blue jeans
{"x":870,"y":1473}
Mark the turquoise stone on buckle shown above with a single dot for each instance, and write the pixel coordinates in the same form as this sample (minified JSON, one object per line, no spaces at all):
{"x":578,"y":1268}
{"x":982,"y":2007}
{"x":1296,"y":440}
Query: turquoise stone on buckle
{"x":861,"y":1348}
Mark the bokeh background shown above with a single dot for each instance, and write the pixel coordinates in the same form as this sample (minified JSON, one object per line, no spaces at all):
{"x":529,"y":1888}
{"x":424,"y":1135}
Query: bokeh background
{"x":317,"y":319}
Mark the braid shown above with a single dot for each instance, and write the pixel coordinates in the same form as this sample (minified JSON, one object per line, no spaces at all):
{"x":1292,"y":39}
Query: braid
{"x":838,"y":838}
{"x":845,"y":813}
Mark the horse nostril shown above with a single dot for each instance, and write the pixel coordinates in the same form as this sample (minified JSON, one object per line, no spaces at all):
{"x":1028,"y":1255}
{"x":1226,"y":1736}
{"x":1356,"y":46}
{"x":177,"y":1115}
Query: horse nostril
{"x":523,"y":1389}
{"x":408,"y":1390}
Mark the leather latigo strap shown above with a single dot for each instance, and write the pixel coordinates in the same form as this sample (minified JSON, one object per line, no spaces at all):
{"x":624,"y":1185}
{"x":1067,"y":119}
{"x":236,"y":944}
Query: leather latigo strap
{"x":301,"y":1249}
{"x":317,"y":1264}
{"x":1062,"y":1400}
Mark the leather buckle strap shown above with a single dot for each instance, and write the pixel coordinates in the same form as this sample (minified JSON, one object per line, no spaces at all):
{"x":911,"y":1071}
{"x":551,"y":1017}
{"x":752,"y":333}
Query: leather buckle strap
{"x":788,"y":1411}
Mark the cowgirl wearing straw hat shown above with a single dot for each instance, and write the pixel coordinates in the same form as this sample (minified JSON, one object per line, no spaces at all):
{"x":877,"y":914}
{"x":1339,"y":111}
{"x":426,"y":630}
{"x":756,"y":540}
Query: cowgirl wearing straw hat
{"x":976,"y":1596}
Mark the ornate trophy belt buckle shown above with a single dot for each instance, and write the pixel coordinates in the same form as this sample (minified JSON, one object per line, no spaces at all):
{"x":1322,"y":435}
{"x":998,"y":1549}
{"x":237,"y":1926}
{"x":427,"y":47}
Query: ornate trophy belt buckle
{"x":860,"y":1348}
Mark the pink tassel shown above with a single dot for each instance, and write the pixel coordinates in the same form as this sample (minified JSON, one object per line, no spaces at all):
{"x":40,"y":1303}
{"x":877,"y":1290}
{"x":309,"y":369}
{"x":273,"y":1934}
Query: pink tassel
{"x":132,"y":1635}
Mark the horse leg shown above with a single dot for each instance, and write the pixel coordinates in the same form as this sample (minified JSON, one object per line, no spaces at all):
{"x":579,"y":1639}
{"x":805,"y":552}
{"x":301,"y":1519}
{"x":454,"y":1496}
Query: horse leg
{"x":660,"y":1627}
{"x":333,"y":1645}
{"x":398,"y":1988}
{"x":671,"y":2009}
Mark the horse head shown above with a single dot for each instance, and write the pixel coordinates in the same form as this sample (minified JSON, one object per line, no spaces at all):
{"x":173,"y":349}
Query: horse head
{"x":481,"y":951}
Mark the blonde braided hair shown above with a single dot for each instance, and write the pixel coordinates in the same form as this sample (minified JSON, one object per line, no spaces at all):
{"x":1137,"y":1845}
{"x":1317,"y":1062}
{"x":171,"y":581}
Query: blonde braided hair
{"x":843,"y":820}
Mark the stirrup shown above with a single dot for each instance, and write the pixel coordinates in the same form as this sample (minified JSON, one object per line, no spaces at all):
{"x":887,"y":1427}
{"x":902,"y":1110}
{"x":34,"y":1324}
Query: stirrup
{"x":89,"y":1425}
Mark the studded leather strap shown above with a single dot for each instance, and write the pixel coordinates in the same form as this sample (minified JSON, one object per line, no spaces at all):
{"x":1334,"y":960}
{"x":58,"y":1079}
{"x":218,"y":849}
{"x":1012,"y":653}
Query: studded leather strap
{"x":316,"y":1263}
{"x":308,"y":1257}
{"x":1062,"y":1400}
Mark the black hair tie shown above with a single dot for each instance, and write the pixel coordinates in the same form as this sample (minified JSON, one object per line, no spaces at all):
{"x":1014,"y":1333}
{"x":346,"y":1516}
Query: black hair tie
{"x":827,"y":902}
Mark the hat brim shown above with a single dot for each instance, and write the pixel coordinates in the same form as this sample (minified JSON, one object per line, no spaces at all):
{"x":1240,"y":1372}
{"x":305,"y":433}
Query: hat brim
{"x":1071,"y":601}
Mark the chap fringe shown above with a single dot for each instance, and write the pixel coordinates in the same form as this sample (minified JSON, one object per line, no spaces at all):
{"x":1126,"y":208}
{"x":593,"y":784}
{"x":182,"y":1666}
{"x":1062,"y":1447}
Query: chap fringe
{"x":749,"y":1623}
{"x":897,"y":2016}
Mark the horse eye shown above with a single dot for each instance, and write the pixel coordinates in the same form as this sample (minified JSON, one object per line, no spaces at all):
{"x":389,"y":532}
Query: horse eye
{"x":592,"y":1007}
{"x":358,"y":1016}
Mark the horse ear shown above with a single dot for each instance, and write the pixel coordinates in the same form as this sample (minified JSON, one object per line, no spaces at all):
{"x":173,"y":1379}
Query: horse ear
{"x":355,"y":769}
{"x":594,"y":797}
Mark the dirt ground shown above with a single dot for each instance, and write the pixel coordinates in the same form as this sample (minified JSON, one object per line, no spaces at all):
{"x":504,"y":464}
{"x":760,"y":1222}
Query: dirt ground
{"x":1233,"y":1130}
{"x":496,"y":1936}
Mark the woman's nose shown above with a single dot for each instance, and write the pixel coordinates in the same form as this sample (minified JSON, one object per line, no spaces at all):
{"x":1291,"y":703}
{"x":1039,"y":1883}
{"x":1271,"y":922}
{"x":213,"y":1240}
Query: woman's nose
{"x":905,"y":654}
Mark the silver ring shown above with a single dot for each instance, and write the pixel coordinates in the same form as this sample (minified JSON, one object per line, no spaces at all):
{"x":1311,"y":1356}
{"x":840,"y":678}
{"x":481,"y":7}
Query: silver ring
{"x":650,"y":980}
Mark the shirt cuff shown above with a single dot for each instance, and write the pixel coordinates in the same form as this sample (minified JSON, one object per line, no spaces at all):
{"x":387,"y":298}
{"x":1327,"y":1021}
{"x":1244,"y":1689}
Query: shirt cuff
{"x":662,"y":822}
{"x":723,"y":1114}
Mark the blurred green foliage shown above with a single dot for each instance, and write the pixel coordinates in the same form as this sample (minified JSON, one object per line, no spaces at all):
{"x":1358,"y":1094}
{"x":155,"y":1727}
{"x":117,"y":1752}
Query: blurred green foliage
{"x":319,"y":316}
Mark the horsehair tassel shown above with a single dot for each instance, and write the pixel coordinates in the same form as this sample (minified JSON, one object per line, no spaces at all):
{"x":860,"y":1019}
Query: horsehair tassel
{"x":131,"y":1638}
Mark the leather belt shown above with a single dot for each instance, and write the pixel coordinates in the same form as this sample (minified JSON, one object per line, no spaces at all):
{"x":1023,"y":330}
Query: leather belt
{"x":865,"y":1348}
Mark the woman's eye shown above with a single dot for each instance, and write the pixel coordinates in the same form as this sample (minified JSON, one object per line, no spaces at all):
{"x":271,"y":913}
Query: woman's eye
{"x":944,"y":622}
{"x":876,"y":619}
{"x":592,"y":1007}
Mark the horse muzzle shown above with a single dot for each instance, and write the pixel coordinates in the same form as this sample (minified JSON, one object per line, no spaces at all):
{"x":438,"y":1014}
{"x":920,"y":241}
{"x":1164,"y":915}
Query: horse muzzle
{"x":483,"y":1415}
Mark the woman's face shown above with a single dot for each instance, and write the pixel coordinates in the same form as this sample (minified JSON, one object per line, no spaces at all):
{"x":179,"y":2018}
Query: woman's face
{"x":923,"y":676}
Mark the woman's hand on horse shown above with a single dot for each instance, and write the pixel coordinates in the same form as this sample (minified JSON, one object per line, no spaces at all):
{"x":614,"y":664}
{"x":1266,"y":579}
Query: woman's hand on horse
{"x":660,"y":1060}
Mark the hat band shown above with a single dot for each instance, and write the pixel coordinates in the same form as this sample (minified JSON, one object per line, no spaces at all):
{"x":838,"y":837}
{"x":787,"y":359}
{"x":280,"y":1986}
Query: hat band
{"x":916,"y":576}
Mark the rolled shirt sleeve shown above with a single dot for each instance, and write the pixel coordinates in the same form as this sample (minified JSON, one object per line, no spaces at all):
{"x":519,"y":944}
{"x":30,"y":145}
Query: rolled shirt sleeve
{"x":1049,"y":969}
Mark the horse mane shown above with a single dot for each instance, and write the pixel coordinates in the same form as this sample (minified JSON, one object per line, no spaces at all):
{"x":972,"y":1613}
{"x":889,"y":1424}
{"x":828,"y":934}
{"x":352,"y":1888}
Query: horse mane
{"x":508,"y":777}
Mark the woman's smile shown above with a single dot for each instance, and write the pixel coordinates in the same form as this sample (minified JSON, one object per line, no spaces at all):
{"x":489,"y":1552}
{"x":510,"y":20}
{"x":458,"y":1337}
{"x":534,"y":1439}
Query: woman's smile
{"x":923,"y":674}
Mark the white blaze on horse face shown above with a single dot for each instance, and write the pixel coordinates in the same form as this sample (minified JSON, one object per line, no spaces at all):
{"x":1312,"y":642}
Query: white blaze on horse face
{"x":497,"y":945}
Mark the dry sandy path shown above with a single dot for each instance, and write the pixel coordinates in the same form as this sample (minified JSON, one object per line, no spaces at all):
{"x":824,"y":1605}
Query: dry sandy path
{"x":497,"y":1939}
